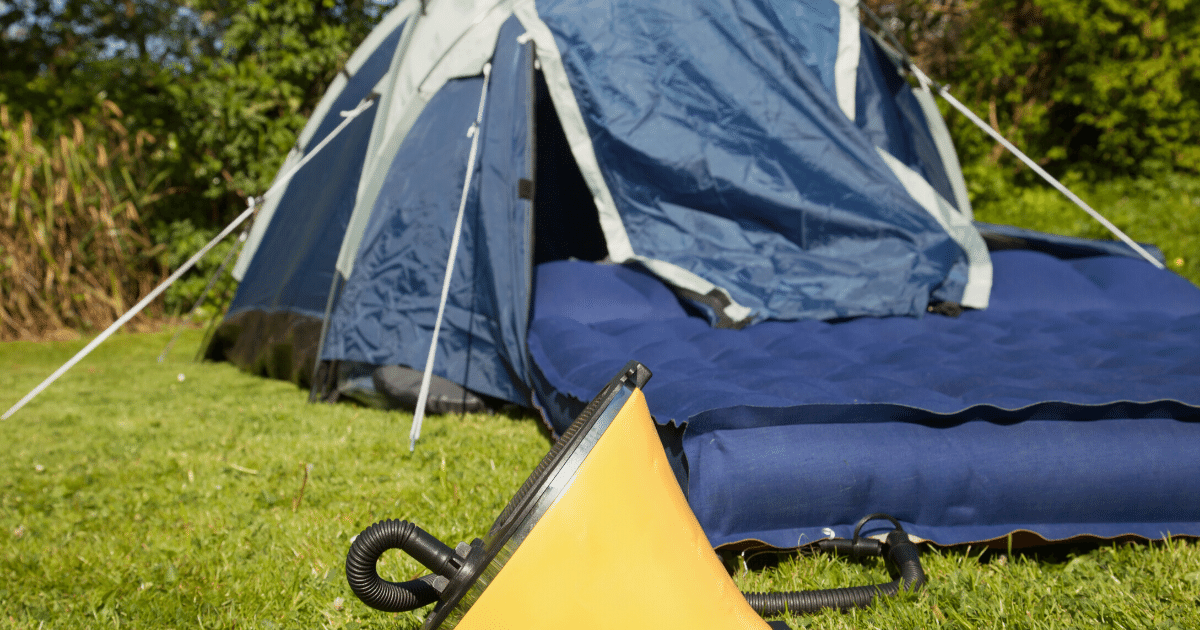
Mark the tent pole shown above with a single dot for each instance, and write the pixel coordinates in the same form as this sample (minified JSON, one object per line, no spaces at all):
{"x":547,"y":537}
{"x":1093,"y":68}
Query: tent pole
{"x":312,"y":391}
{"x":966,"y":111}
{"x":423,"y":396}
{"x":944,"y":92}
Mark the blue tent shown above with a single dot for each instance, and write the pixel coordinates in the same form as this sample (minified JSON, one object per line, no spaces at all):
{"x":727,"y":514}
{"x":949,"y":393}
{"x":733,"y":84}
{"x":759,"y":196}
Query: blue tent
{"x":749,"y":198}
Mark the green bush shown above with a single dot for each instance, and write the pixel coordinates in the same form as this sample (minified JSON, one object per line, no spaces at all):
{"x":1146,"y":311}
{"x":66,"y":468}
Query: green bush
{"x":1101,"y":88}
{"x":206,"y":115}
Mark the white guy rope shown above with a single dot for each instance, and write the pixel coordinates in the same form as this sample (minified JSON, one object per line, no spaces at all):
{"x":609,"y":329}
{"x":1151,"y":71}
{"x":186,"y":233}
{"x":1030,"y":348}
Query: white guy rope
{"x":130,"y":313}
{"x":137,"y":308}
{"x":945,"y":93}
{"x":473,"y":133}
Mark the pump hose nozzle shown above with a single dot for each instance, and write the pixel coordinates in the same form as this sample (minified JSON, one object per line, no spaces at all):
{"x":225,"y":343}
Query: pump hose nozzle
{"x":900,"y":550}
{"x":381,"y":594}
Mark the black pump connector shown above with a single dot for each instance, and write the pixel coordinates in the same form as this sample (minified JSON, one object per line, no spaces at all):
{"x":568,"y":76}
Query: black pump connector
{"x":381,"y":594}
{"x":898,"y":549}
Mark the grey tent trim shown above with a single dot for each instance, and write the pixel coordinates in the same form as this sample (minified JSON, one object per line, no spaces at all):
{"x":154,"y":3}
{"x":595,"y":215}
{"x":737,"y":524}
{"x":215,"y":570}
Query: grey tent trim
{"x":937,"y":128}
{"x":945,"y":147}
{"x":977,"y":292}
{"x":619,"y":247}
{"x":386,"y":89}
{"x":845,"y":67}
{"x":457,"y":43}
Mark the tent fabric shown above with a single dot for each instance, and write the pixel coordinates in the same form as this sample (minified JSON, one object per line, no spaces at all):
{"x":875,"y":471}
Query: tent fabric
{"x":729,"y":158}
{"x":369,"y":63}
{"x":891,"y":116}
{"x":275,"y":344}
{"x":286,"y":269}
{"x":1079,"y":382}
{"x":386,"y":312}
{"x":438,"y":46}
{"x":292,"y":268}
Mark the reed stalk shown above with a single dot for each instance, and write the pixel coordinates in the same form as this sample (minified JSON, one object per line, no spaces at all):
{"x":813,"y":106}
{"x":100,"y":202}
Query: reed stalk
{"x":75,"y":249}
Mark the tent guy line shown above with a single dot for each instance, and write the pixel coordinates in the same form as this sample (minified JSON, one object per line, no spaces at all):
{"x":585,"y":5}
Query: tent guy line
{"x":251,"y":207}
{"x":212,"y":282}
{"x":944,"y":92}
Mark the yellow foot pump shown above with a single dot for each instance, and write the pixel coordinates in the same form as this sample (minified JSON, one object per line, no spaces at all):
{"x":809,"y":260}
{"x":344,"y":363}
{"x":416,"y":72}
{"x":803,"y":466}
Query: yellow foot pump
{"x":599,"y":536}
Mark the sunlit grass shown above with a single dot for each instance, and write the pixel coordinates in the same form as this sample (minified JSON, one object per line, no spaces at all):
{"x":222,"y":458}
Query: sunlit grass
{"x":160,"y":495}
{"x":145,"y":495}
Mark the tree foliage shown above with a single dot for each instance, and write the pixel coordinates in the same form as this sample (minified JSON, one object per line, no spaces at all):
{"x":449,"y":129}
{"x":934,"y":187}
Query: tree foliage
{"x":1095,"y":88}
{"x":249,"y":102}
{"x":229,"y":83}
{"x":132,"y":129}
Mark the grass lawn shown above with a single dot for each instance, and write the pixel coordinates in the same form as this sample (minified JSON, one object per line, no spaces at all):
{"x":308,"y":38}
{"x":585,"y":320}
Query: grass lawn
{"x":139,"y":494}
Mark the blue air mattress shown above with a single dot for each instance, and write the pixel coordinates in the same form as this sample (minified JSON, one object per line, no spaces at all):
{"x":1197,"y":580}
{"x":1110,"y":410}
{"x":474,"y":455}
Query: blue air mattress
{"x":1070,"y":407}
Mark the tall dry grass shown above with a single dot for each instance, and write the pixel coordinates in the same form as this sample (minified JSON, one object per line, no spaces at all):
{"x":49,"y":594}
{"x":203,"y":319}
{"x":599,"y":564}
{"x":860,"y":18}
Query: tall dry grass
{"x":75,"y":251}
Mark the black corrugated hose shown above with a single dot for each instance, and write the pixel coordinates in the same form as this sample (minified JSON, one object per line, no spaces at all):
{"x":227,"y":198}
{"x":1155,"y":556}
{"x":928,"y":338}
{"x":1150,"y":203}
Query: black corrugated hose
{"x":381,"y":594}
{"x":900,"y":551}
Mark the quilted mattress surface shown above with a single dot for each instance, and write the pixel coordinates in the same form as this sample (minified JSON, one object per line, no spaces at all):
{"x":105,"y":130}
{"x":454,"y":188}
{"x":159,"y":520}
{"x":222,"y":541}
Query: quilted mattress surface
{"x":1069,"y":407}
